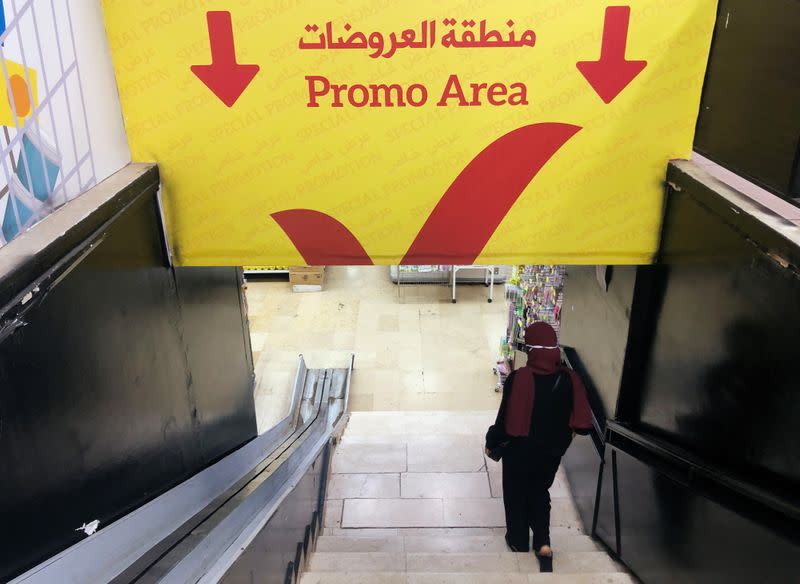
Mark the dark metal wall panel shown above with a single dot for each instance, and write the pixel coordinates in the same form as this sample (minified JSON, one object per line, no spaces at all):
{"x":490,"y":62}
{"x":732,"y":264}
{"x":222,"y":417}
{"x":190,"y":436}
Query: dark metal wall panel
{"x":723,"y":354}
{"x":595,"y":322}
{"x":584,"y":456}
{"x":705,"y":450}
{"x":220,"y":366}
{"x":671,"y":535}
{"x":749,"y":120}
{"x":107,"y":396}
{"x":582,"y":465}
{"x":594,"y":331}
{"x":724,"y":358}
{"x":606,"y":526}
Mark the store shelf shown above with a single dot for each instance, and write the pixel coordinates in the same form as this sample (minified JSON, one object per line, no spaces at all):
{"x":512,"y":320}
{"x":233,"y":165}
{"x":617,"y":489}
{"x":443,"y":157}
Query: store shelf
{"x":535,"y":293}
{"x":265,"y":270}
{"x":256,"y":272}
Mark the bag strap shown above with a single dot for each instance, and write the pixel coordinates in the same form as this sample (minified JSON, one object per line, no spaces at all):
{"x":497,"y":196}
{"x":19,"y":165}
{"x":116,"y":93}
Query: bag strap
{"x":558,"y":380}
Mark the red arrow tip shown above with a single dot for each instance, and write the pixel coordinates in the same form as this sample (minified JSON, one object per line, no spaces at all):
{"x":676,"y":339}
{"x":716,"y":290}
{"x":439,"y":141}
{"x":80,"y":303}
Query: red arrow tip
{"x":227,"y":82}
{"x":612,"y":72}
{"x":226,"y":78}
{"x":609,"y":78}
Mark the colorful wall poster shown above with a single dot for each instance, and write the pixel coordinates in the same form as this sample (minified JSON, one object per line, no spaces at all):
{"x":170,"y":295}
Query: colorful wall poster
{"x":57,"y":101}
{"x":411,"y":132}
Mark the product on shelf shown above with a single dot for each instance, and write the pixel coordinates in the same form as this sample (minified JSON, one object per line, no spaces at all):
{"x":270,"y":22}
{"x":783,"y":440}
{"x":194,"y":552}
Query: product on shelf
{"x":423,"y":269}
{"x":267,"y":269}
{"x":534,"y":293}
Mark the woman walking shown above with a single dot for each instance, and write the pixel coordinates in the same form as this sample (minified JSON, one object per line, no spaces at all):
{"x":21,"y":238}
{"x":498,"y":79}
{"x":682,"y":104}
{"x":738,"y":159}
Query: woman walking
{"x":544,"y":405}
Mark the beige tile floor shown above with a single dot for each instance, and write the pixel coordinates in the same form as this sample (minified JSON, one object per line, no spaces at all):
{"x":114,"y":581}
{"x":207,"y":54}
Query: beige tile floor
{"x":415,"y":350}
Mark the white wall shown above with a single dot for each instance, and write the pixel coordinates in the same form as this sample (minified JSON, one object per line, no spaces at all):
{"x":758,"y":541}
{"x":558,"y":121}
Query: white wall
{"x":106,"y":124}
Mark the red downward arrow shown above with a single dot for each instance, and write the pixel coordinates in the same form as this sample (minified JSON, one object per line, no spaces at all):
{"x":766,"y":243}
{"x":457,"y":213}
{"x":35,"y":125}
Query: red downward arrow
{"x":224,"y":76}
{"x":612,"y":73}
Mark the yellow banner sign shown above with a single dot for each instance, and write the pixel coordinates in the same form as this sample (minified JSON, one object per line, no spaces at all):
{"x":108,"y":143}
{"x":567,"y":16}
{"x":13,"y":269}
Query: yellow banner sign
{"x":371,"y":131}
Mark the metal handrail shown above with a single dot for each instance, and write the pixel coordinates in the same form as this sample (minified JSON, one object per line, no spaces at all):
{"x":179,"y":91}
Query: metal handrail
{"x":344,"y":416}
{"x":316,"y":436}
{"x":671,"y":456}
{"x":297,"y":389}
{"x":125,"y":548}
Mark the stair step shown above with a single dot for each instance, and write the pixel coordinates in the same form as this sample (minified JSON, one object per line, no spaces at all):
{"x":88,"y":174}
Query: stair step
{"x":366,"y":532}
{"x":574,"y":563}
{"x":354,"y":578}
{"x":461,"y":578}
{"x":493,"y":543}
{"x":555,"y":531}
{"x":328,"y":543}
{"x":393,"y":424}
{"x":443,"y":543}
{"x":482,"y":562}
{"x":430,"y":513}
{"x":357,"y":562}
{"x":562,"y":541}
{"x":476,"y":562}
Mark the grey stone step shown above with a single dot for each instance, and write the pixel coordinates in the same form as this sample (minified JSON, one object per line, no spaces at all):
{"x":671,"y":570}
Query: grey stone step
{"x":354,"y":578}
{"x":328,"y":543}
{"x":357,"y":562}
{"x":461,"y":578}
{"x":444,"y":543}
{"x":555,"y":531}
{"x":573,"y":563}
{"x":391,"y":425}
{"x":476,"y":562}
{"x":432,"y":513}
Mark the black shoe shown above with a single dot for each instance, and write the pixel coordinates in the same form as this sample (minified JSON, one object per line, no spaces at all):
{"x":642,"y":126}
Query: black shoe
{"x":545,"y":563}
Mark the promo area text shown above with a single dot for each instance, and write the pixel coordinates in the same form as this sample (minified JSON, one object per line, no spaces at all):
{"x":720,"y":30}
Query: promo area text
{"x":322,"y":92}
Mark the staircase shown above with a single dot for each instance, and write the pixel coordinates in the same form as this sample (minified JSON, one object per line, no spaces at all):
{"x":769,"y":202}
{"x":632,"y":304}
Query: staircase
{"x":413,"y":500}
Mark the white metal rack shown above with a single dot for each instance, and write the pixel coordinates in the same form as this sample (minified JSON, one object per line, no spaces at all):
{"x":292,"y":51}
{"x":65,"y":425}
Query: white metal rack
{"x":450,"y":276}
{"x":488,"y":278}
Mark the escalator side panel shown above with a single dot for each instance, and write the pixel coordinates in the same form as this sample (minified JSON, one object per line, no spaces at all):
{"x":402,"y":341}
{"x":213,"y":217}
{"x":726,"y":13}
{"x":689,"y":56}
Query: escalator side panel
{"x":267,"y":556}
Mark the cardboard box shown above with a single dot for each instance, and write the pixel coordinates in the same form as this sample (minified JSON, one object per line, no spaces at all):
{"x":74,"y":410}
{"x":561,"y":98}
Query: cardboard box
{"x":306,"y":269}
{"x":307,"y":276}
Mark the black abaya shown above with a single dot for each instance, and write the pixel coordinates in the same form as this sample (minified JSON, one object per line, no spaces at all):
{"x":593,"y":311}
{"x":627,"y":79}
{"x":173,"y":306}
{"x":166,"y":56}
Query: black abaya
{"x":530,"y":463}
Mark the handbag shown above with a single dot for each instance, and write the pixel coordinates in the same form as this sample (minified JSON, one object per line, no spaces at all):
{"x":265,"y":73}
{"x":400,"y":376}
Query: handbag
{"x":497,"y":442}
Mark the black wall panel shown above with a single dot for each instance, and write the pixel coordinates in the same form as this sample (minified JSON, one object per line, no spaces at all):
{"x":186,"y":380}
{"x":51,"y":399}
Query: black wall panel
{"x":126,"y":380}
{"x":218,"y":354}
{"x":584,"y":457}
{"x":706,"y":442}
{"x":606,"y":527}
{"x":724,"y":359}
{"x":724,"y":347}
{"x":669,"y":534}
{"x":749,"y":120}
{"x":582,"y":465}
